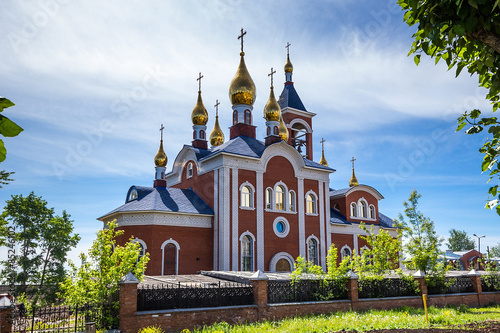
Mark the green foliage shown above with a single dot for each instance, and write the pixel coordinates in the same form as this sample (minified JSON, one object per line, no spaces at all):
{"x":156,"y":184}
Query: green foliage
{"x":98,"y":276}
{"x":495,"y":251}
{"x":43,"y":240}
{"x":8,"y":128}
{"x":422,"y":242}
{"x":459,"y":241}
{"x":436,"y":279}
{"x":465,"y":34}
{"x":4,"y":177}
{"x":151,"y":329}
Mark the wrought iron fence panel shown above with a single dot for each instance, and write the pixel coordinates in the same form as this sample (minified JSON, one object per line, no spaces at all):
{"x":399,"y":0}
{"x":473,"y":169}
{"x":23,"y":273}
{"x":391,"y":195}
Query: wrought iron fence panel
{"x":164,"y":297}
{"x":490,"y":282}
{"x":379,"y":288}
{"x":451,"y":285}
{"x":279,"y":291}
{"x":64,"y":319}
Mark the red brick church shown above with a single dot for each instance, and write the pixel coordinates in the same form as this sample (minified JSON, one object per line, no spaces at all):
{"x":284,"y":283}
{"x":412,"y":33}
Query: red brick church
{"x":247,"y":203}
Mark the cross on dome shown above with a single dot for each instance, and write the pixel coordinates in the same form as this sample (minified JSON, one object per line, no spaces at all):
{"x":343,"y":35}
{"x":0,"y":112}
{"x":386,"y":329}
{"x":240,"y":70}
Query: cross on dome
{"x":217,"y":107}
{"x":271,"y":75}
{"x":199,"y":81}
{"x":243,"y":33}
{"x":287,"y":47}
{"x":161,"y":131}
{"x":352,"y":160}
{"x":323,"y":143}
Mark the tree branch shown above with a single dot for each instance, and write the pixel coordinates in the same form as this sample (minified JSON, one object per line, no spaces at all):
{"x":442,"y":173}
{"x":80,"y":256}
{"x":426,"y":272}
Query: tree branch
{"x":486,"y":37}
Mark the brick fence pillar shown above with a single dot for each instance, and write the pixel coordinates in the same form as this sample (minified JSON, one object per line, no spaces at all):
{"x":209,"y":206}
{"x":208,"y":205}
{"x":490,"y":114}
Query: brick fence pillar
{"x":5,"y":320}
{"x":352,"y":289}
{"x":259,"y":284}
{"x":476,"y":283}
{"x":420,"y":277}
{"x":128,"y":302}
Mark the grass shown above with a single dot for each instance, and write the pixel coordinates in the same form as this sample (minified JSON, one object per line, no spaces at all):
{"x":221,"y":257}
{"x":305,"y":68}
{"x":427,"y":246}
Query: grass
{"x":405,"y":317}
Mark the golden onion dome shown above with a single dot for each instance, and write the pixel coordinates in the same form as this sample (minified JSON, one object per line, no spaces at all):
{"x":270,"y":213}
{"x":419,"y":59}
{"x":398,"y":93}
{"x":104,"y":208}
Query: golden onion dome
{"x":242,"y":89}
{"x":272,"y":110}
{"x":283,"y":131}
{"x":354,"y":180}
{"x":216,"y":137}
{"x":323,"y":161}
{"x":199,"y":116}
{"x":288,"y":65}
{"x":161,"y":157}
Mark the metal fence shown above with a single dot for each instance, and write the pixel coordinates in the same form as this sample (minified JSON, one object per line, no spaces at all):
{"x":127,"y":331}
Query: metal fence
{"x":181,"y":296}
{"x":387,"y":287}
{"x":490,"y":282}
{"x":64,"y":319}
{"x":283,"y":291}
{"x":450,"y":285}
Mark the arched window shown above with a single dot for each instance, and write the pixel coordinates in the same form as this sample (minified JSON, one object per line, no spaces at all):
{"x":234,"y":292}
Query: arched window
{"x":142,"y":247}
{"x":133,"y":195}
{"x":170,"y":253}
{"x":246,"y":197}
{"x":280,"y":197}
{"x":276,"y":130}
{"x":247,"y":253}
{"x":372,"y":212}
{"x":312,"y":251}
{"x":346,"y":252}
{"x":202,"y":134}
{"x":268,"y":130}
{"x":353,"y":210}
{"x":269,"y":196}
{"x":190,"y":170}
{"x":235,"y":117}
{"x":291,"y":201}
{"x":248,"y":117}
{"x":310,"y":204}
{"x":362,"y":208}
{"x":336,"y":207}
{"x":194,"y":135}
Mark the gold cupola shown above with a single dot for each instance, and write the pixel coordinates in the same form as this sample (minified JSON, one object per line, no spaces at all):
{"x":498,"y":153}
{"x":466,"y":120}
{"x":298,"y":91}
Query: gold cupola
{"x":272,"y":111}
{"x":354,"y":180}
{"x":199,"y":116}
{"x":323,"y":160}
{"x":161,"y":157}
{"x":217,"y":136}
{"x":242,"y":89}
{"x":288,"y":65}
{"x":283,"y":131}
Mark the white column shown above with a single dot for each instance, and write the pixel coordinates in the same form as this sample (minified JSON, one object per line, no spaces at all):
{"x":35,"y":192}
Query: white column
{"x":260,"y":220}
{"x":355,"y":241}
{"x":235,"y":209}
{"x":327,"y":217}
{"x":216,"y":220}
{"x":222,"y":254}
{"x":227,"y":219}
{"x":322,"y":242}
{"x":301,"y":212}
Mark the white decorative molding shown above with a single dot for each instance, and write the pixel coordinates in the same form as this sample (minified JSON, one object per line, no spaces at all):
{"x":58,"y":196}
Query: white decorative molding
{"x":260,"y":220}
{"x":321,"y":208}
{"x":315,"y":203}
{"x":227,"y":217}
{"x":234,"y":207}
{"x":170,"y":241}
{"x":278,"y":256}
{"x":252,"y":194}
{"x":247,"y":233}
{"x":285,"y":222}
{"x":302,"y":122}
{"x":301,"y":212}
{"x":342,"y":251}
{"x":355,"y":242}
{"x":327,"y":217}
{"x":363,"y":188}
{"x":163,"y":219}
{"x":216,"y":219}
{"x":318,"y":242}
{"x":140,"y":241}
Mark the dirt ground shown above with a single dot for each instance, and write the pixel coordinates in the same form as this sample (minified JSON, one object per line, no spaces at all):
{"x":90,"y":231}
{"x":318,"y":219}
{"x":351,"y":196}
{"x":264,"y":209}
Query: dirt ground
{"x":484,"y":327}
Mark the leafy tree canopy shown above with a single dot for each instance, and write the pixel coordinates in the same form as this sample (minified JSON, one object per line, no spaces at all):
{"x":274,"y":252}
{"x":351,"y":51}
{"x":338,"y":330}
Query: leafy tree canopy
{"x":8,"y":128}
{"x":495,"y":251}
{"x":465,"y":34}
{"x":460,"y":241}
{"x":5,"y":177}
{"x":43,"y":240}
{"x":421,"y":240}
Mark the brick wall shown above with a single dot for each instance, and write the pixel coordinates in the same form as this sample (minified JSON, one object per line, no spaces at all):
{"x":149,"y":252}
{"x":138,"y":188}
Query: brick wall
{"x":177,"y":320}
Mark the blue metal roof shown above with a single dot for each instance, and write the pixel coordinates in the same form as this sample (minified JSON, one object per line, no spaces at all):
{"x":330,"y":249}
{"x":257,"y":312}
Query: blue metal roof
{"x":290,"y":98}
{"x":161,"y":199}
{"x":337,"y":218}
{"x":385,"y":221}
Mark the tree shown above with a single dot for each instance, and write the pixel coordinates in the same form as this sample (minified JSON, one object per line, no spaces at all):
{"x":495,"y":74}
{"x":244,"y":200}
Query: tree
{"x":495,"y":251}
{"x":98,"y":276}
{"x":44,"y":240}
{"x":422,"y":242}
{"x":8,"y":128}
{"x":465,"y":34}
{"x":459,"y":241}
{"x":4,"y":177}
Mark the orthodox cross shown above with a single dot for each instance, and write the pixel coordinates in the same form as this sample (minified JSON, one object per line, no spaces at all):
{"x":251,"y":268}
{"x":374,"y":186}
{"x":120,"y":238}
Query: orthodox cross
{"x":271,"y":75}
{"x":287,"y":47}
{"x":323,"y":143}
{"x":243,"y":33}
{"x":199,"y":81}
{"x":217,"y":107}
{"x":161,"y":131}
{"x":352,"y":160}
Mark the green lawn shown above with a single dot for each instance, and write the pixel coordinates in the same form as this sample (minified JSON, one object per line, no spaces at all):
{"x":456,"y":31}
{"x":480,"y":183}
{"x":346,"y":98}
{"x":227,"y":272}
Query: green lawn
{"x":367,"y":320}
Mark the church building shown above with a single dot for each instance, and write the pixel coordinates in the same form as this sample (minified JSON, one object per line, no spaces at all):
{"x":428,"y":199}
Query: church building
{"x":247,"y":203}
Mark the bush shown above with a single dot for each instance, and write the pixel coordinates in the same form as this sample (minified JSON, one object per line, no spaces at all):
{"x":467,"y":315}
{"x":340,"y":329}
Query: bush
{"x":151,"y":329}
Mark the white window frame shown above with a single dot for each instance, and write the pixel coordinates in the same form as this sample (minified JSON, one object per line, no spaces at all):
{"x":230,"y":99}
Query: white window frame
{"x":144,"y":247}
{"x":292,"y":201}
{"x":177,"y":247}
{"x":336,"y":206}
{"x":312,"y":237}
{"x":374,"y":217}
{"x":277,"y":257}
{"x":315,"y":203}
{"x":363,"y":204}
{"x":247,"y":233}
{"x":353,"y":209}
{"x":342,"y":256}
{"x":269,"y":201}
{"x":252,"y":196}
{"x":285,"y":222}
{"x":285,"y":194}
{"x":189,"y":170}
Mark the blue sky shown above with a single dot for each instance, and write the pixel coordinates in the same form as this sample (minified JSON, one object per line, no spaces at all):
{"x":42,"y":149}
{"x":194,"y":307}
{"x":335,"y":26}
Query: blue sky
{"x":93,"y":81}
